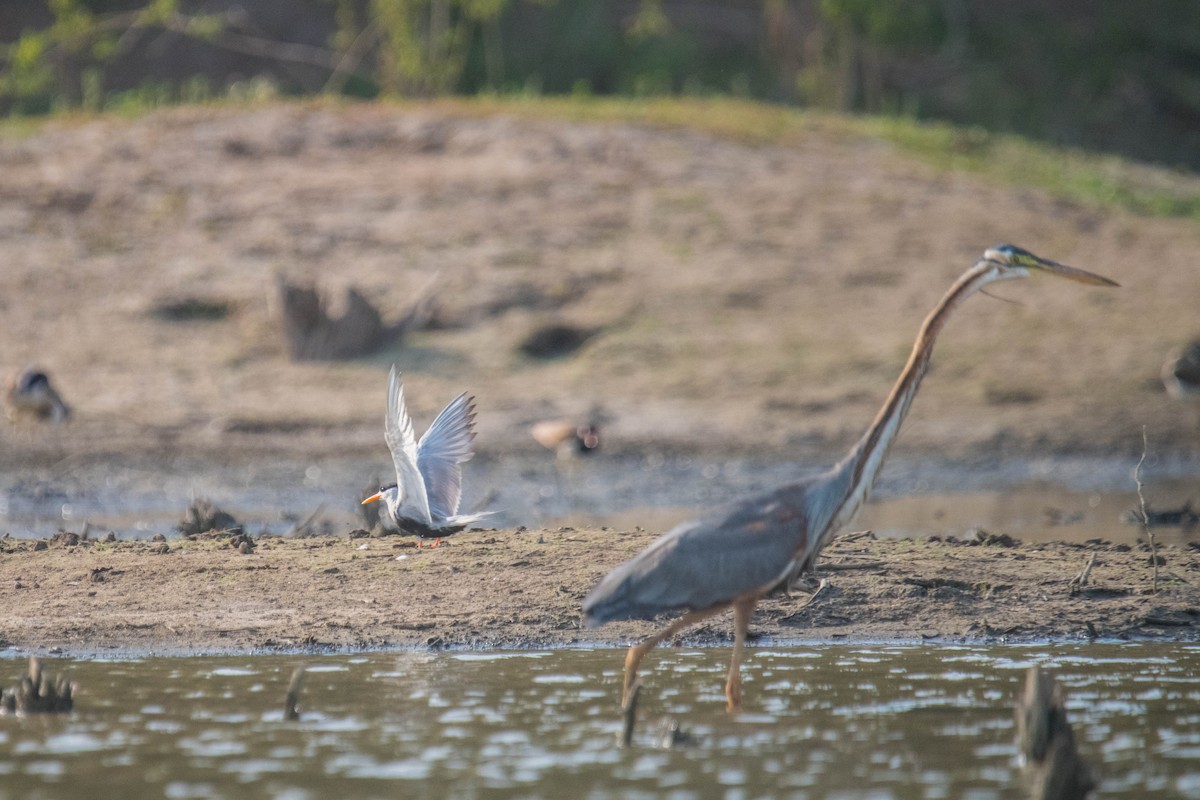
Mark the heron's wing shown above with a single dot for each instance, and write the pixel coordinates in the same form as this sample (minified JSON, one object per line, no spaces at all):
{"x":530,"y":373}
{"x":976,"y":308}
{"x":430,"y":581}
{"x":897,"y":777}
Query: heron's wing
{"x":445,"y":446}
{"x":398,"y":432}
{"x":742,"y":549}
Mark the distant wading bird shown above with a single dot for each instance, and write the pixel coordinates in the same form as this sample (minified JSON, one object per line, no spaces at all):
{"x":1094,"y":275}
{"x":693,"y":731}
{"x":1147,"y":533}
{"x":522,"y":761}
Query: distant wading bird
{"x":1181,"y":373}
{"x":733,"y":556}
{"x":565,"y":439}
{"x":30,"y":396}
{"x":424,"y":499}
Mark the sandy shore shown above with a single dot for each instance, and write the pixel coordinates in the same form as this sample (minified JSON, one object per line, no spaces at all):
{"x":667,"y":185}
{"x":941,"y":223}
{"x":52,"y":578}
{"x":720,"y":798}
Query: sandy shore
{"x":729,"y":298}
{"x":523,"y":588}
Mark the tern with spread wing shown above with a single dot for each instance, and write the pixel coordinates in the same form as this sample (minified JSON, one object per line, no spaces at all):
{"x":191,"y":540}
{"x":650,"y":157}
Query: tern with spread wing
{"x":424,"y":499}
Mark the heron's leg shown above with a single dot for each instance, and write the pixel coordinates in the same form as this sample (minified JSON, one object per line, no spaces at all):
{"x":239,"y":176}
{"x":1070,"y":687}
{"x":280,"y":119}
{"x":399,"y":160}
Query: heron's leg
{"x":742,"y":610}
{"x":634,"y":657}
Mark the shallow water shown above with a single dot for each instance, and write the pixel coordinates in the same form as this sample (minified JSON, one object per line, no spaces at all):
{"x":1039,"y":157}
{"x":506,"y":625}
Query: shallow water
{"x":829,"y":721}
{"x":1071,"y":499}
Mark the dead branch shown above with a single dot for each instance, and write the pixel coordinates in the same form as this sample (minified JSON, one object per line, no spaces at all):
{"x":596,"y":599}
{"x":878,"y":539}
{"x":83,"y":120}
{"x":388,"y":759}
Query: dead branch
{"x":38,"y":694}
{"x":313,"y":334}
{"x":1137,"y":478}
{"x":227,"y":37}
{"x":1044,"y":736}
{"x":304,"y":528}
{"x":847,"y":566}
{"x":629,"y":713}
{"x":811,"y":598}
{"x":1081,"y":580}
{"x":291,"y":704}
{"x":348,"y":63}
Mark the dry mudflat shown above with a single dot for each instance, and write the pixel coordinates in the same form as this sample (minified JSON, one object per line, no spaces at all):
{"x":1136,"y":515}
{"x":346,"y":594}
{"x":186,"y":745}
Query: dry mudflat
{"x":731,"y":297}
{"x":523,"y":588}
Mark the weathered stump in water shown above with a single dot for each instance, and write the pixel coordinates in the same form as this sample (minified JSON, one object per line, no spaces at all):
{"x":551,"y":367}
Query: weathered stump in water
{"x":291,"y":704}
{"x":203,"y":516}
{"x":1053,"y":765}
{"x":38,"y":694}
{"x":311,"y":333}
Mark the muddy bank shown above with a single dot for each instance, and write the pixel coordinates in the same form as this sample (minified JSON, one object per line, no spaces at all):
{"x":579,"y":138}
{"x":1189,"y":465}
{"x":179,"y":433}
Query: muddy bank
{"x":521,"y":588}
{"x":736,"y":298}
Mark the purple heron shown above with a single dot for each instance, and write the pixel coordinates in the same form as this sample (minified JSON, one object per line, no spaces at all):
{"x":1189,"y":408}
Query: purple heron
{"x":733,"y":556}
{"x":424,"y":499}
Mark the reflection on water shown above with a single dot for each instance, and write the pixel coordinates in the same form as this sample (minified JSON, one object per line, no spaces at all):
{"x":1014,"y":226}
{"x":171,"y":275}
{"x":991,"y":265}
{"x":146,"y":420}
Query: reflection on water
{"x":838,"y":721}
{"x":1071,"y":499}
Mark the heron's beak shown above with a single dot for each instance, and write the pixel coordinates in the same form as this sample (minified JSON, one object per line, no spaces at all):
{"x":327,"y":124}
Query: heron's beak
{"x":1037,"y":264}
{"x":372,"y":498}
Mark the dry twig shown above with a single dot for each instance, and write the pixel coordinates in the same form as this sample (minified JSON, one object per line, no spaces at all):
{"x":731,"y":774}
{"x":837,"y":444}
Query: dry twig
{"x":811,"y":599}
{"x":1137,"y":478}
{"x":1081,"y":580}
{"x":1044,"y":736}
{"x":38,"y":694}
{"x":291,"y":705}
{"x":304,"y":528}
{"x":312,"y":333}
{"x":846,"y":566}
{"x":629,"y":713}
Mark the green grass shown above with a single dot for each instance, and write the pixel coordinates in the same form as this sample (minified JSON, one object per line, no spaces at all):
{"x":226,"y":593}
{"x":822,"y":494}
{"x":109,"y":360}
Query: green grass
{"x":1101,"y":181}
{"x":1105,"y":181}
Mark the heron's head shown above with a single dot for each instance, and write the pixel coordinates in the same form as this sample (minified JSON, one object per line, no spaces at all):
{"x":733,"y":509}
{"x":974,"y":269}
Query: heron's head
{"x":1009,"y":261}
{"x":386,"y":493}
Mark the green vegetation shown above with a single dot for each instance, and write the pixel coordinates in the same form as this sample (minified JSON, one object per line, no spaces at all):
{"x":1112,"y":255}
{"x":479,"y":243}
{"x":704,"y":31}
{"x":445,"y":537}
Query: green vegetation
{"x":1121,"y":77}
{"x":1102,"y":181}
{"x":1095,"y":180}
{"x":1110,"y":75}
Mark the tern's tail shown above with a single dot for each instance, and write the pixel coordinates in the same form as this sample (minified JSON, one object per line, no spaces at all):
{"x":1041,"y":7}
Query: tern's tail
{"x":462,"y":520}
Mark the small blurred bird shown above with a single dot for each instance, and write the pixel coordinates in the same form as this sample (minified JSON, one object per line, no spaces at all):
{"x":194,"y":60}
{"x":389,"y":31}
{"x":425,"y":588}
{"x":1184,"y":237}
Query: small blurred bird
{"x":1181,"y":373}
{"x":566,"y":439}
{"x":30,"y":396}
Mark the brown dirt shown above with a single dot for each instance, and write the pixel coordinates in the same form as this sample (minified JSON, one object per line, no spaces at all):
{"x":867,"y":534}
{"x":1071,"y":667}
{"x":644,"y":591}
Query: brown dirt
{"x":523,"y":588}
{"x":739,"y":298}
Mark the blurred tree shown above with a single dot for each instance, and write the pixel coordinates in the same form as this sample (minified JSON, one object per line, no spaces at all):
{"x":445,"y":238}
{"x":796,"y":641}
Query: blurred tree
{"x":423,"y":43}
{"x":1102,"y":74}
{"x":865,"y":38}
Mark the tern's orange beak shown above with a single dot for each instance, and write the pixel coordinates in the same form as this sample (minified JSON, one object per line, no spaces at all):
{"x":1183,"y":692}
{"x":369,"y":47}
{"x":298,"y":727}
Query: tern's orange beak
{"x":372,"y":498}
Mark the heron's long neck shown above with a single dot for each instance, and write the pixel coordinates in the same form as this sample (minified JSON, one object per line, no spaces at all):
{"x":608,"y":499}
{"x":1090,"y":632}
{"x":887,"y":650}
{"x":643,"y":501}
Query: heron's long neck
{"x":855,"y":474}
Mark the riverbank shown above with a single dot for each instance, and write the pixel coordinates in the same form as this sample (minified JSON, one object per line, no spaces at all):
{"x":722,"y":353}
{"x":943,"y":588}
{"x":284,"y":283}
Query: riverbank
{"x":720,"y":294}
{"x":523,"y":588}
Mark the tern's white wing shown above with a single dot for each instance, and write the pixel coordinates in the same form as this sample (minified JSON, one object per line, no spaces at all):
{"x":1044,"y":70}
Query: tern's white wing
{"x":398,"y":432}
{"x":445,"y":446}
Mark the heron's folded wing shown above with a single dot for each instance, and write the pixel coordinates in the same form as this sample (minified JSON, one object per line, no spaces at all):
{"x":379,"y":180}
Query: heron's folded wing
{"x":445,"y":446}
{"x":398,"y":432}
